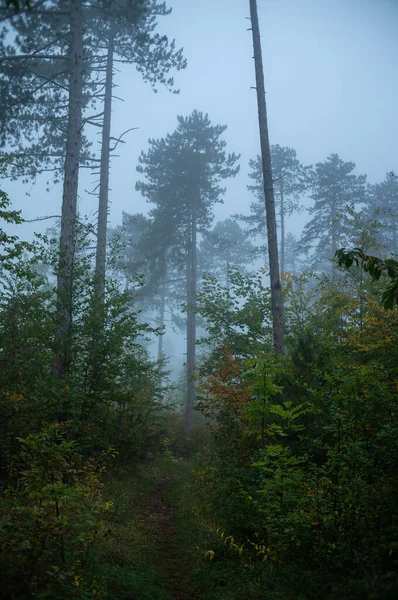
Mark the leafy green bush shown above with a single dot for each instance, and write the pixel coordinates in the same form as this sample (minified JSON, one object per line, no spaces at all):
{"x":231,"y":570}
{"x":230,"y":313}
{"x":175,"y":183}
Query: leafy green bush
{"x":51,"y":518}
{"x":57,"y":434}
{"x":297,"y":493}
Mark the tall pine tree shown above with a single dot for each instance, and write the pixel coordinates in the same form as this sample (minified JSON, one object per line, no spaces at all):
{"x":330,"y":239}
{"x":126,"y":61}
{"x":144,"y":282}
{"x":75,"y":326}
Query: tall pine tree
{"x":334,"y":188}
{"x":382,"y":206}
{"x":225,"y":247}
{"x":183,"y":172}
{"x":272,"y":238}
{"x":129,"y":35}
{"x":290,"y":179}
{"x":50,"y":87}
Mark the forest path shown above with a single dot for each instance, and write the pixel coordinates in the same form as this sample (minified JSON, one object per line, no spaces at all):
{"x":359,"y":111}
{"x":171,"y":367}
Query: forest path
{"x":159,"y":516}
{"x":159,"y":513}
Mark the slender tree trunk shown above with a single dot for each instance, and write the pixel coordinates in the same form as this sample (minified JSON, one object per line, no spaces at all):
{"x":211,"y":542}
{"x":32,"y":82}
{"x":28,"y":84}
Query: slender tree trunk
{"x":161,"y":321}
{"x":282,"y":231}
{"x":100,"y":258}
{"x":161,"y":324}
{"x":70,"y":188}
{"x":394,"y":238}
{"x":191,"y":324}
{"x":294,"y":262}
{"x":276,"y":291}
{"x":227,"y":281}
{"x":333,"y":235}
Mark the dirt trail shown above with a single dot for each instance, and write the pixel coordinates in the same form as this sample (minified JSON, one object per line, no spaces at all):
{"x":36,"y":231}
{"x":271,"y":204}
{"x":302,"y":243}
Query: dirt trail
{"x":160,"y":518}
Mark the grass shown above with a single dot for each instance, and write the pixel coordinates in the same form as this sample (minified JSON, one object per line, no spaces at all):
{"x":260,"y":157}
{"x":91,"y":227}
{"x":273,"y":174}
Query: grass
{"x":130,"y":563}
{"x":127,"y":558}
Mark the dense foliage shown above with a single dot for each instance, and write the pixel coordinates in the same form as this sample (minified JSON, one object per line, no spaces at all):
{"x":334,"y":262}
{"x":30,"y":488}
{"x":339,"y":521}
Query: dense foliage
{"x":283,"y":484}
{"x":297,"y":493}
{"x":59,"y":435}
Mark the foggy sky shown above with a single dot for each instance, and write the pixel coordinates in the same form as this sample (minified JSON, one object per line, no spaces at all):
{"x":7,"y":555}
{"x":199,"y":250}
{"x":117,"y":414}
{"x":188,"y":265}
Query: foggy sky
{"x":331,"y":69}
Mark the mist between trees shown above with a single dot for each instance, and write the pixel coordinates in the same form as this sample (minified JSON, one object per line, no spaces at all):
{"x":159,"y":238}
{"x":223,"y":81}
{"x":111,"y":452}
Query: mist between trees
{"x":265,"y":357}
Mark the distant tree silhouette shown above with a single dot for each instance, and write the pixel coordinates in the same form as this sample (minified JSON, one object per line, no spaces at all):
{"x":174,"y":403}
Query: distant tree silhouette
{"x":183,"y":172}
{"x":334,"y":188}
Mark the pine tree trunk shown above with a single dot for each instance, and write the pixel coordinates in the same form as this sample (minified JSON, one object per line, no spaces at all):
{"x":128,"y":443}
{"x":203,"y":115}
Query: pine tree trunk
{"x":294,"y":263}
{"x":282,"y":231}
{"x":276,"y":291}
{"x":161,"y":321}
{"x":227,"y":281}
{"x":100,"y":258}
{"x":394,"y":238}
{"x":161,"y":325}
{"x":333,"y":235}
{"x":191,"y":325}
{"x":70,"y":189}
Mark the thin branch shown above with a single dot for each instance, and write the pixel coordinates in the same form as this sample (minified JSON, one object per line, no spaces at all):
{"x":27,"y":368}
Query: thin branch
{"x":93,"y":191}
{"x":34,"y":55}
{"x":42,"y":218}
{"x":119,"y":139}
{"x":87,"y":121}
{"x":97,"y":116}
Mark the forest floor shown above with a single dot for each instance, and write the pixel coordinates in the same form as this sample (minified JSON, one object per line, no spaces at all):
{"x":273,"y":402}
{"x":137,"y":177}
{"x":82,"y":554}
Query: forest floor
{"x":160,"y":518}
{"x":143,"y":557}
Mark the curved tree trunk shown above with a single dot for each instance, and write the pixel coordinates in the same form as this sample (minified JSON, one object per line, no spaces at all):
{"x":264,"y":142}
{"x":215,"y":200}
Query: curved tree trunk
{"x":70,"y":188}
{"x":276,"y":291}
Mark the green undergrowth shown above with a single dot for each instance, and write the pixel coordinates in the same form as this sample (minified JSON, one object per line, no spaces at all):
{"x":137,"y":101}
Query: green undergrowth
{"x":208,"y":576}
{"x":128,"y":559}
{"x":213,"y":573}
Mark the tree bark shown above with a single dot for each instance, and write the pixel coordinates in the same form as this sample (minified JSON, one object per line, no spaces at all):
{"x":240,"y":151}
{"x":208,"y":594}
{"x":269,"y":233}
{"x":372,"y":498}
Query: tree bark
{"x":161,"y":325}
{"x":191,"y":324}
{"x":394,"y":238}
{"x":282,"y":230}
{"x":161,"y":321}
{"x":333,"y":234}
{"x":276,"y":291}
{"x":227,"y":281}
{"x":100,"y":257}
{"x":70,"y":189}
